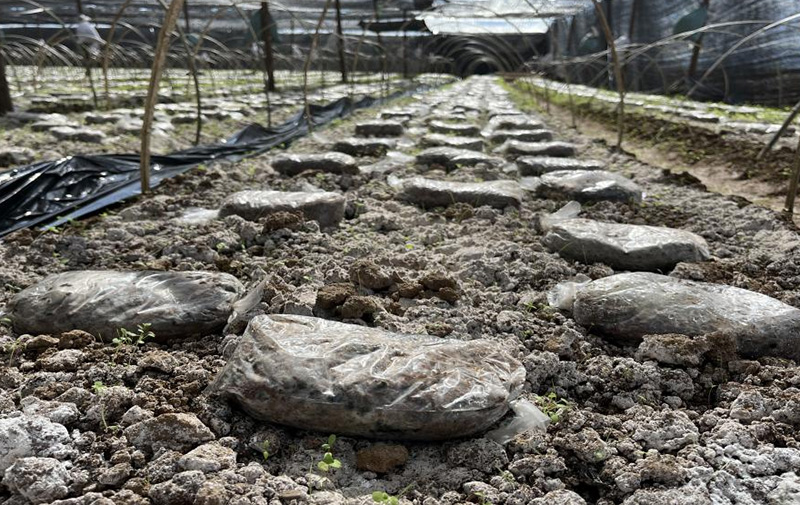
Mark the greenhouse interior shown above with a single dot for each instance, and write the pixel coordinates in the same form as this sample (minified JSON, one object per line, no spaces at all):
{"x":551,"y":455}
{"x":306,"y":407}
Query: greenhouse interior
{"x":428,"y":252}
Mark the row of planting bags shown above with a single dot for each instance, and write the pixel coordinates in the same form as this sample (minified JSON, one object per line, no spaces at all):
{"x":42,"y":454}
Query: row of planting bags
{"x":323,"y":375}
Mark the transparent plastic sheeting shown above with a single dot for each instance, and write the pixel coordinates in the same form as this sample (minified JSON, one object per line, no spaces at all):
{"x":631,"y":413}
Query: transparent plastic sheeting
{"x":175,"y":304}
{"x":55,"y":192}
{"x":626,"y":307}
{"x":509,"y":8}
{"x":441,"y":25}
{"x":584,"y":185}
{"x":620,"y":246}
{"x":764,"y":70}
{"x":327,"y":376}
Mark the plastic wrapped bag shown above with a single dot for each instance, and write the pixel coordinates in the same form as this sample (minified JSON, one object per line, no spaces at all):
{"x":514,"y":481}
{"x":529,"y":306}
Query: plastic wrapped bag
{"x":562,"y":296}
{"x":621,"y":246}
{"x":626,"y":307}
{"x":538,"y":165}
{"x":327,"y":208}
{"x":175,"y":304}
{"x":584,"y":186}
{"x":429,"y":193}
{"x":322,"y":375}
{"x":527,"y":417}
{"x":335,"y":163}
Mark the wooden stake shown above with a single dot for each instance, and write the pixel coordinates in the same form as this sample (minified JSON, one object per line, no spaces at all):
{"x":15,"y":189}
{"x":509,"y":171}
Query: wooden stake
{"x":307,"y":64}
{"x":152,"y":93}
{"x":5,"y":92}
{"x":340,"y":42}
{"x":617,"y":70}
{"x":192,"y":64}
{"x":785,"y":126}
{"x":405,"y":44}
{"x":793,"y":183}
{"x":107,"y":50}
{"x":698,"y":46}
{"x":384,"y":66}
{"x":266,"y":36}
{"x":186,"y":16}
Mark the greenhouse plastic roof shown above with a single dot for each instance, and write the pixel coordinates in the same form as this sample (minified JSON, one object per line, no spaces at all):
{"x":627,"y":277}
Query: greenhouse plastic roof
{"x":498,"y":17}
{"x":353,"y":11}
{"x":446,"y":25}
{"x":22,"y":11}
{"x":510,"y":8}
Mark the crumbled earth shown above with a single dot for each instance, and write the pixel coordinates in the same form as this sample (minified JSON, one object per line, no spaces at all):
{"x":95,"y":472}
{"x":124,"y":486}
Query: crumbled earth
{"x":672,"y":420}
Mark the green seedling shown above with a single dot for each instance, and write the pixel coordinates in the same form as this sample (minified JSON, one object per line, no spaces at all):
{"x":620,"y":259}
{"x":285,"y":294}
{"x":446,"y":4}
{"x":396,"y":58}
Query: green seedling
{"x":99,"y":389}
{"x":135,"y":339}
{"x":508,"y":477}
{"x":328,"y":462}
{"x":387,"y":499}
{"x":482,"y":498}
{"x":15,"y":346}
{"x":265,"y":449}
{"x":552,"y":406}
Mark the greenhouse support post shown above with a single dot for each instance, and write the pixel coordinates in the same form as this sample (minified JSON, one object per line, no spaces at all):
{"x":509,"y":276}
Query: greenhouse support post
{"x":790,"y":197}
{"x":617,"y":70}
{"x":340,"y":42}
{"x":5,"y":92}
{"x":266,"y":36}
{"x":152,"y":93}
{"x":698,"y":46}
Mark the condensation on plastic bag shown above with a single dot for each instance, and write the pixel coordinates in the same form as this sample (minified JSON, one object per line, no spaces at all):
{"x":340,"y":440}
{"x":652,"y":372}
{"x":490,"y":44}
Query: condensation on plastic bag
{"x":626,"y":307}
{"x":175,"y":304}
{"x":620,"y":246}
{"x":323,"y":375}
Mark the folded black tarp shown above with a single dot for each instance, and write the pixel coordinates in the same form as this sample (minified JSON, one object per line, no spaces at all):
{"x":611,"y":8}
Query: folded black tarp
{"x":54,"y":192}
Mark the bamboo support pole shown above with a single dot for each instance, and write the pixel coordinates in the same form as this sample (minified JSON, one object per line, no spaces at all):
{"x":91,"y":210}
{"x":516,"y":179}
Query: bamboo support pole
{"x":159,"y":59}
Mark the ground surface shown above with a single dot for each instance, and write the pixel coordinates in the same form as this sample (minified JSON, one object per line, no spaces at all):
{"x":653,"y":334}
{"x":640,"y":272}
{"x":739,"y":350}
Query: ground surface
{"x":719,"y":144}
{"x":230,"y":100}
{"x":630,"y":428}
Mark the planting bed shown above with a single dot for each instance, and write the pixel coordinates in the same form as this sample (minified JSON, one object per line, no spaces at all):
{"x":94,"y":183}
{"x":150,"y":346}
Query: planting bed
{"x":664,"y":419}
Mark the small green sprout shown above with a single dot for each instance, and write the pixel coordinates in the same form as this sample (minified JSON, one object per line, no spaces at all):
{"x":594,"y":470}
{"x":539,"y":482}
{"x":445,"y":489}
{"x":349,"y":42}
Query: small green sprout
{"x":552,"y":406}
{"x":99,"y":388}
{"x":482,"y":497}
{"x":135,"y":339}
{"x":385,"y":498}
{"x":508,"y":477}
{"x":15,"y":346}
{"x":328,"y":461}
{"x":265,"y":449}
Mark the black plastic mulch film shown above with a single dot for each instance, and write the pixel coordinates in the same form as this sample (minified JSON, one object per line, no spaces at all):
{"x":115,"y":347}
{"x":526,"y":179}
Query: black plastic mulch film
{"x":55,"y":192}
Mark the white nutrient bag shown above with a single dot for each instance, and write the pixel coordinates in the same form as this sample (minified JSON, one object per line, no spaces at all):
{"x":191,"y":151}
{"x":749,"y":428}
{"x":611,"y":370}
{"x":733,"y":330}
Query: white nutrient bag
{"x":101,"y":302}
{"x":620,"y":246}
{"x":315,"y":374}
{"x":626,"y":307}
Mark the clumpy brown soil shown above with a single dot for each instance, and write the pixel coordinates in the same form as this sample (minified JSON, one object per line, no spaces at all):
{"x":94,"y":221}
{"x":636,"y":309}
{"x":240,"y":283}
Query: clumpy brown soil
{"x":629,"y":425}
